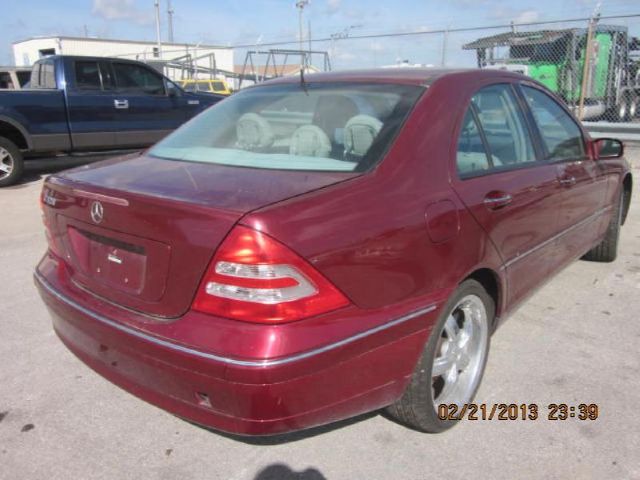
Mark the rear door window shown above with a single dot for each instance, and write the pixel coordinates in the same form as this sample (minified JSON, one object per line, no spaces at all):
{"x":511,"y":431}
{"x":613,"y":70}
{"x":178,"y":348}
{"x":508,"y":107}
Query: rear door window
{"x":48,"y":75}
{"x":106,"y":74}
{"x":87,"y":76}
{"x":560,"y":134}
{"x":505,"y":129}
{"x":471,"y":156}
{"x":134,"y":78}
{"x":43,"y":75}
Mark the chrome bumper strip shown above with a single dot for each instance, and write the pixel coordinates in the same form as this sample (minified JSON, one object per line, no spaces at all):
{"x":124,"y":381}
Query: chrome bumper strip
{"x":230,"y":361}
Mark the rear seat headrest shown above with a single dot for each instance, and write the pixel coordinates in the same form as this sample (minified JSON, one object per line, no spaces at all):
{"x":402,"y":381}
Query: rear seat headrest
{"x":254,"y":132}
{"x":310,"y":141}
{"x":359,"y":134}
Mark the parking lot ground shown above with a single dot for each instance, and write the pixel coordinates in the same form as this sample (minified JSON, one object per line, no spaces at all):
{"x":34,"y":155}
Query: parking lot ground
{"x":575,"y":341}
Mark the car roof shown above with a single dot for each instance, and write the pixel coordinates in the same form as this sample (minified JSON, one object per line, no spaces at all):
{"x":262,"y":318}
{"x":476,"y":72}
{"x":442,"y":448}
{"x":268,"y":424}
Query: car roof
{"x":402,"y":75}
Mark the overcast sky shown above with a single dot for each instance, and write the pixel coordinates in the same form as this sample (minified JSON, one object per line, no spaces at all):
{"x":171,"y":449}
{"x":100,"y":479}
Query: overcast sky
{"x":232,"y":22}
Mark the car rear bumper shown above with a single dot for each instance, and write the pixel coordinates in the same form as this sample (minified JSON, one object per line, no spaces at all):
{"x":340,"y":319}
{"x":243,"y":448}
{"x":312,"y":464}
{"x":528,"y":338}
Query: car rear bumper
{"x":247,"y":396}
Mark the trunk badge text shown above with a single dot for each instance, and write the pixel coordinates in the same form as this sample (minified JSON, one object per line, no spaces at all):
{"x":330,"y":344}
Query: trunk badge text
{"x":112,"y":257}
{"x":97,"y":212}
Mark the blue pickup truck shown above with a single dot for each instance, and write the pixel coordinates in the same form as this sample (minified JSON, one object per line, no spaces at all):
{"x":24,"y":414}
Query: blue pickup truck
{"x":89,"y":106}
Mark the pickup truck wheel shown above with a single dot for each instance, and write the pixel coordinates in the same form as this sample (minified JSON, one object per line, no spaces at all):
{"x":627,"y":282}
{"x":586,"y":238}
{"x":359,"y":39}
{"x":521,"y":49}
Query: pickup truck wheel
{"x":11,"y":162}
{"x":452,"y":363}
{"x":607,"y":249}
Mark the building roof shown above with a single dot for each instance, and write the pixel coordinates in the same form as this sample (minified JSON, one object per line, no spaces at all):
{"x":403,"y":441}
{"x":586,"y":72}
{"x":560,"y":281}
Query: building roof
{"x":114,"y":40}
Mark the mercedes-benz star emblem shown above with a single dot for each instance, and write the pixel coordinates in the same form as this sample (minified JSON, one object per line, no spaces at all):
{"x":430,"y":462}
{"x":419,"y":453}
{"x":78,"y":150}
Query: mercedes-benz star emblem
{"x":97,"y":212}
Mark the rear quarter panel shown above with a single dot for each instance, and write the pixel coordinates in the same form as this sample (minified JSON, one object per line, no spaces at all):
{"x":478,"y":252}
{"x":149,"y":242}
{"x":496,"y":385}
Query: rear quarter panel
{"x":369,"y":235}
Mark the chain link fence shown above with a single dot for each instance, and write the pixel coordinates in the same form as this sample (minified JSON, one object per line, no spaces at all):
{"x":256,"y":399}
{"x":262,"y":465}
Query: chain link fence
{"x":592,"y":64}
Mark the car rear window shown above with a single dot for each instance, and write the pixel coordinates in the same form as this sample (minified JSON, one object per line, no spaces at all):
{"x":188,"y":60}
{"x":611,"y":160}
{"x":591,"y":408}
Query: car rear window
{"x":322,"y":126}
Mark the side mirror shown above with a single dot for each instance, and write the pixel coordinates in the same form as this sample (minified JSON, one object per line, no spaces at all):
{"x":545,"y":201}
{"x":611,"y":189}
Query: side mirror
{"x":173,"y":90}
{"x":608,"y":148}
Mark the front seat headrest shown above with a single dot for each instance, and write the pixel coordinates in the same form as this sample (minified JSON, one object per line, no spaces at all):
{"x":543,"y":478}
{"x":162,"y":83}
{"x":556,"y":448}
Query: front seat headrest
{"x":310,"y":141}
{"x":254,"y":132}
{"x":359,"y":134}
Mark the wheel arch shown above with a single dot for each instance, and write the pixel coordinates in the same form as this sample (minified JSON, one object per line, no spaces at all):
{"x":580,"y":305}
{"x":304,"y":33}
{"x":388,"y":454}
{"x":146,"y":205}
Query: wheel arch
{"x":15,"y":132}
{"x":627,"y":187}
{"x":492,"y":283}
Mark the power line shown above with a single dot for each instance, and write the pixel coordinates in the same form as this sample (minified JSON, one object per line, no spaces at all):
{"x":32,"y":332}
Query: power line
{"x":443,"y":30}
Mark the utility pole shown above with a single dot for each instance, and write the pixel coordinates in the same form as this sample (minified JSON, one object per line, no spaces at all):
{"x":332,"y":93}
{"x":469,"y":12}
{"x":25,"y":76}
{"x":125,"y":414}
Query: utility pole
{"x":300,"y":4}
{"x":158,"y":38}
{"x":586,"y":68}
{"x":445,"y":37}
{"x":170,"y":12}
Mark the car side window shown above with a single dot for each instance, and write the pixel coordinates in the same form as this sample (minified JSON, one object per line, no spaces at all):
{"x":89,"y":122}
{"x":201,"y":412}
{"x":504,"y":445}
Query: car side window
{"x":504,"y":127}
{"x":561,"y":136}
{"x":48,"y":75}
{"x":108,"y":82}
{"x":87,"y":76}
{"x":138,"y":79}
{"x":35,"y":76}
{"x":471,"y":156}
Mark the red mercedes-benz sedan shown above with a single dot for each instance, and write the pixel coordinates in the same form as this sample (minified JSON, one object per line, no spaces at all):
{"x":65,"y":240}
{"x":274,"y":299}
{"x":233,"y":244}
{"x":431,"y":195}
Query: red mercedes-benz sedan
{"x":314,"y":248}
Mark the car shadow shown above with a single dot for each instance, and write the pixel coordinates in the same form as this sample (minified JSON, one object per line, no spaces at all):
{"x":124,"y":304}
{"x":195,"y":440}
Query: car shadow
{"x":280,"y":471}
{"x":283,"y":438}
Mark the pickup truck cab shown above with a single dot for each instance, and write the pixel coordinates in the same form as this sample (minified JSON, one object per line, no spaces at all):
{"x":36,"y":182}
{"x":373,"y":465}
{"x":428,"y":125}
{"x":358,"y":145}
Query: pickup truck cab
{"x":89,"y":105}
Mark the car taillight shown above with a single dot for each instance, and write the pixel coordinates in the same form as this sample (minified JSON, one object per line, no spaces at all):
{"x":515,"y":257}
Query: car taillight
{"x":255,"y":278}
{"x":47,"y":198}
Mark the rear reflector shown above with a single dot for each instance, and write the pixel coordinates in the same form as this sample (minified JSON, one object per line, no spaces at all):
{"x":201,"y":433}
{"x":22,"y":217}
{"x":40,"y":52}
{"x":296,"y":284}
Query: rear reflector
{"x":255,"y":278}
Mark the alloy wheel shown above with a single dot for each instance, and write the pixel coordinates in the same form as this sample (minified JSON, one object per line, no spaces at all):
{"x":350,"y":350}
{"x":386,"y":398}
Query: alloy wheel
{"x":6,"y":163}
{"x":460,"y":353}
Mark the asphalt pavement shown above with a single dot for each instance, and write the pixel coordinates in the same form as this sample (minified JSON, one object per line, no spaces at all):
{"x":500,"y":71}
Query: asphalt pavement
{"x":575,"y":341}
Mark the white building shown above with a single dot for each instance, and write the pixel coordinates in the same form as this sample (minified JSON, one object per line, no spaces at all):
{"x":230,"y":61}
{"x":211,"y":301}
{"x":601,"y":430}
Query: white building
{"x":26,"y":52}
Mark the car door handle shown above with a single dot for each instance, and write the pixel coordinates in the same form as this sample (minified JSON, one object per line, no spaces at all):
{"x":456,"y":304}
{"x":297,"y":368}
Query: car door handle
{"x":567,"y":181}
{"x":496,"y":199}
{"x":121,"y":104}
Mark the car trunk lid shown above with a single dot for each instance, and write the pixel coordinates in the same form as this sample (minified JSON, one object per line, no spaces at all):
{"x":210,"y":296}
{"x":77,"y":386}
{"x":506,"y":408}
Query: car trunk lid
{"x":140,"y":231}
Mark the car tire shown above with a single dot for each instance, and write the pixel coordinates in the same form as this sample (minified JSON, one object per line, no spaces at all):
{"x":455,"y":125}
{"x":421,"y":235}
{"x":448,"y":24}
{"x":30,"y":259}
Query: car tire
{"x":621,"y":112}
{"x":607,"y":249}
{"x":11,"y":162}
{"x":418,"y":406}
{"x":633,"y":107}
